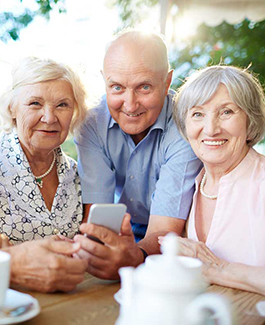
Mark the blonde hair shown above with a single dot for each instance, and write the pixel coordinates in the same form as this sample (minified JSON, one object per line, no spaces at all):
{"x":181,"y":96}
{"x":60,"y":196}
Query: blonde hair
{"x":33,"y":70}
{"x":244,"y":89}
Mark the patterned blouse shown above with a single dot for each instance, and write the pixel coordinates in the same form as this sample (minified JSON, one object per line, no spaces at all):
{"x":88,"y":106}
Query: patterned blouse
{"x":23,"y":213}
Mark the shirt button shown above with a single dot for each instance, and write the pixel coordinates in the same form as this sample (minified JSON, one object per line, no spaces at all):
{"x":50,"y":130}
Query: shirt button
{"x":131,"y":177}
{"x":55,"y":231}
{"x":131,"y":199}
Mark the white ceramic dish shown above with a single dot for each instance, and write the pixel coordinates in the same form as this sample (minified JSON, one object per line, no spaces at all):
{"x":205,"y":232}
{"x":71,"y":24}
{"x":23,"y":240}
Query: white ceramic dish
{"x":14,"y":299}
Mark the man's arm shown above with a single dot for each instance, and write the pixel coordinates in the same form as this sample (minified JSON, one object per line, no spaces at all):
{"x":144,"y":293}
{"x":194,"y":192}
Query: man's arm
{"x":159,"y":226}
{"x":46,"y":265}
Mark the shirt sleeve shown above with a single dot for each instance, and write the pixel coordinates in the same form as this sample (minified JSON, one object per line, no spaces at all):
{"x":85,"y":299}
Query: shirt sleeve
{"x":95,"y":169}
{"x":175,"y":187}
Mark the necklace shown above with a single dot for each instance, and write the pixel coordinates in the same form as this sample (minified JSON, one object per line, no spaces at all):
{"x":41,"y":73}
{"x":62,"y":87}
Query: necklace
{"x":211,"y":197}
{"x":39,"y":178}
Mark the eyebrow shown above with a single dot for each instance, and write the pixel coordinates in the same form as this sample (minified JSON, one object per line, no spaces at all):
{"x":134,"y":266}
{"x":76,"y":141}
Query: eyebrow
{"x":222,"y":104}
{"x":34,"y":97}
{"x":142,"y":82}
{"x":41,"y":98}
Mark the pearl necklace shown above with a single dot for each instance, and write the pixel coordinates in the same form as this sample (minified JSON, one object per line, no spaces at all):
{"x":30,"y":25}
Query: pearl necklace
{"x":211,"y":197}
{"x":39,"y":178}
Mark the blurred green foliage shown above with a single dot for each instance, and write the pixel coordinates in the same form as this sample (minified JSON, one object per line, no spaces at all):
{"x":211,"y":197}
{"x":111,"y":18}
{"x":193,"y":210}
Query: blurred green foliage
{"x":11,"y":24}
{"x":69,"y":147}
{"x":241,"y":45}
{"x":133,"y":12}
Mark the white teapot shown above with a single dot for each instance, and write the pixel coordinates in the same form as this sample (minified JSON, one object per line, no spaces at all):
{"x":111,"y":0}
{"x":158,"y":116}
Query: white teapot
{"x":167,"y":289}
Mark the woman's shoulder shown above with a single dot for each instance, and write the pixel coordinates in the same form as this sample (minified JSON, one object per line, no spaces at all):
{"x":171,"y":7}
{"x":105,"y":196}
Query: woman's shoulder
{"x":258,"y":158}
{"x":257,"y":166}
{"x":10,"y":149}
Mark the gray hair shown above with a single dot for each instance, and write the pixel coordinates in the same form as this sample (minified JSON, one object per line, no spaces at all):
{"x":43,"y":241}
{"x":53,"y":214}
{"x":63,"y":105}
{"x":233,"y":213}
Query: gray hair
{"x":33,"y":70}
{"x":244,"y":89}
{"x":153,"y":42}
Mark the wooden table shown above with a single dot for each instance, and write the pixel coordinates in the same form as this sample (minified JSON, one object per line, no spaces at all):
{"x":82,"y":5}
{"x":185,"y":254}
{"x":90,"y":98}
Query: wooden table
{"x":93,"y":303}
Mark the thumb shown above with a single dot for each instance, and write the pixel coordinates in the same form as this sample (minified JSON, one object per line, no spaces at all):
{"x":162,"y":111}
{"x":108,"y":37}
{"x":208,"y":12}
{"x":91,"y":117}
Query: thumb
{"x":126,"y":228}
{"x":64,"y":247}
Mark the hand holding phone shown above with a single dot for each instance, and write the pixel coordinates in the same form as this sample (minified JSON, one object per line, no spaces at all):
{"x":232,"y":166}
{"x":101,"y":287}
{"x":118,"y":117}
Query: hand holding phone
{"x":108,"y":215}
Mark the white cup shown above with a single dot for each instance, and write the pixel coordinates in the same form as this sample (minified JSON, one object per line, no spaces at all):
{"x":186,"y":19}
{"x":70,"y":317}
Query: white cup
{"x":4,"y":275}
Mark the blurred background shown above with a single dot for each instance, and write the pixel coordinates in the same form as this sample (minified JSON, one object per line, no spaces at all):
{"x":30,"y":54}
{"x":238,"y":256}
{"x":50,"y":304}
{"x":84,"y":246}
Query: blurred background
{"x":75,"y":32}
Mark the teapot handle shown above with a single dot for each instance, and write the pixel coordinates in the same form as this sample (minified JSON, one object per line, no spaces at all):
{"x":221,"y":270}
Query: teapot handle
{"x":217,"y":305}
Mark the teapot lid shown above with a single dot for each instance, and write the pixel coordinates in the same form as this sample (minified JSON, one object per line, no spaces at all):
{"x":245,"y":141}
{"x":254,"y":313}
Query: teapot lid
{"x":168,"y":271}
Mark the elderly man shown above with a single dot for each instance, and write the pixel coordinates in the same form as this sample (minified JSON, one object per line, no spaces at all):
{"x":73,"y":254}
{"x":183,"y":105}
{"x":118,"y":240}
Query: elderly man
{"x":130,"y":151}
{"x":45,"y":265}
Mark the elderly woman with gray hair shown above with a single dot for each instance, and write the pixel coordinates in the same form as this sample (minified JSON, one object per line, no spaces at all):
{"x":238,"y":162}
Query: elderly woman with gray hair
{"x":220,"y":110}
{"x":40,"y":192}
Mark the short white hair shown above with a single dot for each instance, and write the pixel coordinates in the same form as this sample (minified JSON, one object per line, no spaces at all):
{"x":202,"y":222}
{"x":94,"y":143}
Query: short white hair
{"x":244,"y":89}
{"x":32,"y":70}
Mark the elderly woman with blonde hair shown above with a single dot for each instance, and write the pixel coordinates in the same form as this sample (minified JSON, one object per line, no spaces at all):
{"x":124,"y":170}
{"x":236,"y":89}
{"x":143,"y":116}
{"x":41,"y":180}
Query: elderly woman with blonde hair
{"x":220,"y":110}
{"x":40,"y":192}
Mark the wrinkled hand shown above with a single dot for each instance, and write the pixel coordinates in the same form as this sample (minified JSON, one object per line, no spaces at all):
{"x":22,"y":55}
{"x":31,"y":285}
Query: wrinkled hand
{"x":46,"y":265}
{"x":212,"y":265}
{"x":105,"y":260}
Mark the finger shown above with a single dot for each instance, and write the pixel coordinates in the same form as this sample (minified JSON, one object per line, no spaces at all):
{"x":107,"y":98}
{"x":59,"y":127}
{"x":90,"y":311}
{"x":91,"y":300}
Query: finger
{"x":105,"y":235}
{"x":186,"y":247}
{"x":126,"y":228}
{"x":99,"y":263}
{"x":75,"y":266}
{"x":101,"y":273}
{"x":91,"y":247}
{"x":81,"y":254}
{"x":4,"y":242}
{"x":160,"y":240}
{"x":64,"y":247}
{"x":62,"y":238}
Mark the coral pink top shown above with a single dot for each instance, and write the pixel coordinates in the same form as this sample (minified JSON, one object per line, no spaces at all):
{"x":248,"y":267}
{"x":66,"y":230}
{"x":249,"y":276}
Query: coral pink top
{"x":237,"y":232}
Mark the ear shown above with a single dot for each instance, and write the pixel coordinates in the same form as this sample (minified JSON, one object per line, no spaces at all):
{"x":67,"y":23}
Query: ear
{"x":168,"y":80}
{"x":13,"y":111}
{"x":102,"y":73}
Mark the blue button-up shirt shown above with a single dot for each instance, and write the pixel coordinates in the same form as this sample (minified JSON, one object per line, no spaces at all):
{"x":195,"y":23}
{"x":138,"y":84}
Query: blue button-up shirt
{"x":156,"y":176}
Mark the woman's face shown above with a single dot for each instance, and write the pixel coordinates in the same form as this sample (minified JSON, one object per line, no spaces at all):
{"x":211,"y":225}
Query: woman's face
{"x":43,"y":113}
{"x":217,"y":131}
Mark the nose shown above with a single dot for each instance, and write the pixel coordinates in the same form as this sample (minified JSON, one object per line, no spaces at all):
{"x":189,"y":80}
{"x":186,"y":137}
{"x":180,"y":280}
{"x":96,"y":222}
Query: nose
{"x":130,"y":101}
{"x":212,"y":125}
{"x":48,"y":115}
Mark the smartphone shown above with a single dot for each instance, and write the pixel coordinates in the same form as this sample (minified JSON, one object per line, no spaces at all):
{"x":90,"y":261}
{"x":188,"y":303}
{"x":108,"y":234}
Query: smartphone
{"x":108,"y":215}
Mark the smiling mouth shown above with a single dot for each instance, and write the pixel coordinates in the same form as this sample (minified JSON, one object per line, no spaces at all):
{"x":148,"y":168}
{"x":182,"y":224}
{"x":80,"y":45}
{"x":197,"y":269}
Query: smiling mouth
{"x":133,"y":115}
{"x":47,"y":131}
{"x":214,"y":143}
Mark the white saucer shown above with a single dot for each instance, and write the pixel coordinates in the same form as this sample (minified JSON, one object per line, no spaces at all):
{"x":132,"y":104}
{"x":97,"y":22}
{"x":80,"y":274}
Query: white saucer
{"x":15,"y":298}
{"x":118,"y":296}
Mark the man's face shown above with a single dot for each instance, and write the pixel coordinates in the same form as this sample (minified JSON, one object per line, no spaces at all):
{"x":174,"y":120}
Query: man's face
{"x":135,"y":89}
